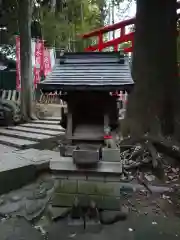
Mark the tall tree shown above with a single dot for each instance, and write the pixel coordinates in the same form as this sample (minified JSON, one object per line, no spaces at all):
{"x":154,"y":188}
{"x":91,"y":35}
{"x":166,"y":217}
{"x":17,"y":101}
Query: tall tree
{"x":72,"y":18}
{"x":53,"y":6}
{"x":151,"y":106}
{"x":25,"y":17}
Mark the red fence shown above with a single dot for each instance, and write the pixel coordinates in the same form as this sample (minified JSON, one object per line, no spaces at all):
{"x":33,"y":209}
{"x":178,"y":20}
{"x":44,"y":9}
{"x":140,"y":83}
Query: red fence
{"x":124,"y":37}
{"x":114,"y":42}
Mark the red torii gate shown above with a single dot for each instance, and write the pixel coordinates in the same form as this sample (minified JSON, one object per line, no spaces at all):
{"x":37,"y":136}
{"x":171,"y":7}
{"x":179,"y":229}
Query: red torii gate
{"x":114,"y":42}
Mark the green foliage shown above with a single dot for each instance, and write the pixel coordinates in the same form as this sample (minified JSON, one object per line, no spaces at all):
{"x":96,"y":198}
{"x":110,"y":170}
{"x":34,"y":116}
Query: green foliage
{"x":55,"y":30}
{"x":71,"y":20}
{"x":125,"y":45}
{"x":8,"y":19}
{"x":60,"y":28}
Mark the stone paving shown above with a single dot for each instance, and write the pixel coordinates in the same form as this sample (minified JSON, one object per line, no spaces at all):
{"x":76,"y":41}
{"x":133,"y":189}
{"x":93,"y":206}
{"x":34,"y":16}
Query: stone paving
{"x":18,"y":229}
{"x":29,"y":201}
{"x":135,"y":228}
{"x":27,"y":212}
{"x":19,"y":167}
{"x":20,"y":207}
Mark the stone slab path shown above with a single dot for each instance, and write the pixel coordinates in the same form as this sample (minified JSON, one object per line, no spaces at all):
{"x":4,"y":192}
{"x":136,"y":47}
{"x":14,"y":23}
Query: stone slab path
{"x":44,"y":125}
{"x":35,"y":130}
{"x":19,"y":167}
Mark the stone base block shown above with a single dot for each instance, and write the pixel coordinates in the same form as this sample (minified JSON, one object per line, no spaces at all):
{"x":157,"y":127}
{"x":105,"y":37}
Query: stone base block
{"x":92,"y":226}
{"x":75,"y":225}
{"x":84,"y":157}
{"x":111,"y":155}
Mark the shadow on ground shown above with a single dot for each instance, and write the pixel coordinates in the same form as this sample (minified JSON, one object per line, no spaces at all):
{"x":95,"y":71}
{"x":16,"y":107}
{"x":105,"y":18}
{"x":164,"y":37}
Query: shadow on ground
{"x":136,"y":228}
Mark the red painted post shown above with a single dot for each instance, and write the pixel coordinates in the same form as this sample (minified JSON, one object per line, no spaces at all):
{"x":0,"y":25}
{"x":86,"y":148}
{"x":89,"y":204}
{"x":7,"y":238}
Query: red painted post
{"x":100,"y":42}
{"x":132,"y":44}
{"x":122,"y":33}
{"x":113,"y":42}
{"x":116,"y":47}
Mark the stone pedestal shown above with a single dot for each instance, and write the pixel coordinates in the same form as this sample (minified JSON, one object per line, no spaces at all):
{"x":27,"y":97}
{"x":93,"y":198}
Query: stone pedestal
{"x":76,"y":225}
{"x":92,"y":226}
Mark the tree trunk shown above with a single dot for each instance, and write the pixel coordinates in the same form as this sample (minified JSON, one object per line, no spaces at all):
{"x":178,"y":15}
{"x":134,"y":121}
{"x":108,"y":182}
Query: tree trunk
{"x":151,"y":105}
{"x":25,"y":17}
{"x":53,"y":6}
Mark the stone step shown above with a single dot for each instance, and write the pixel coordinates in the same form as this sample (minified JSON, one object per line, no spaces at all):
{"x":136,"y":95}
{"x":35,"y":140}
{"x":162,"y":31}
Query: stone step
{"x":43,"y":126}
{"x":66,"y":164}
{"x":24,"y":135}
{"x":36,"y":130}
{"x":20,"y":166}
{"x":6,"y":149}
{"x":48,"y":122}
{"x":51,"y":118}
{"x":16,"y":142}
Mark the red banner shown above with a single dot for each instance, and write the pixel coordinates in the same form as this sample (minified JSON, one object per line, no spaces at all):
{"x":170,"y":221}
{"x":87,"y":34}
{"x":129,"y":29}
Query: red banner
{"x":18,"y":64}
{"x":47,"y":62}
{"x":39,"y":66}
{"x":42,"y":62}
